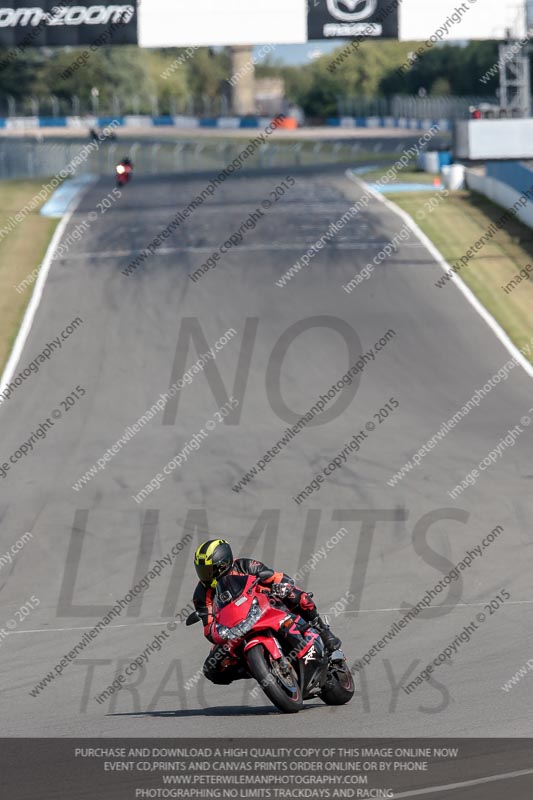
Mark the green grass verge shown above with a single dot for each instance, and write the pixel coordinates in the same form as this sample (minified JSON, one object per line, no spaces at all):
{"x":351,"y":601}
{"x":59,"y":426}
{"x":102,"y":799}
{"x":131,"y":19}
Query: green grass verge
{"x":21,"y":251}
{"x":403,"y":176}
{"x":454,"y":227}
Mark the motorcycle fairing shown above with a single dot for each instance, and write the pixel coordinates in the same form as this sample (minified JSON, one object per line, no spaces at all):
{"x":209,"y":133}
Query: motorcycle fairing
{"x":268,"y":642}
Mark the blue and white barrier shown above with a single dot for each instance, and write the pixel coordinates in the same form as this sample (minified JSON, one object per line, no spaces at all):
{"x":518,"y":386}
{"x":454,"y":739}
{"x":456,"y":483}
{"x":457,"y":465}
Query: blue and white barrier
{"x":506,"y":185}
{"x":133,"y":121}
{"x":390,"y":122}
{"x":227,"y":123}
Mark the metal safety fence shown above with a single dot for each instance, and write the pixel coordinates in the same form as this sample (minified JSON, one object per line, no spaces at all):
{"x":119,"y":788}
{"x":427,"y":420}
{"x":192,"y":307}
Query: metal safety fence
{"x":35,"y":159}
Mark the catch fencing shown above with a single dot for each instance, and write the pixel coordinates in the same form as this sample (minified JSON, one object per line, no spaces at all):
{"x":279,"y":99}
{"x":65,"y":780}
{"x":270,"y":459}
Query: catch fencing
{"x":34,"y":159}
{"x":411,"y":106}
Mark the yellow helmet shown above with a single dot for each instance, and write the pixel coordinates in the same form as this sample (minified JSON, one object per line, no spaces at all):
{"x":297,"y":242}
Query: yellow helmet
{"x":212,"y":559}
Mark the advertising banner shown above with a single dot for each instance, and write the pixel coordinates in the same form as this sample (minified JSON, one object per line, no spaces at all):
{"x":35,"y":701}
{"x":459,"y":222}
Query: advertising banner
{"x":66,"y":22}
{"x":337,"y":19}
{"x":182,"y":23}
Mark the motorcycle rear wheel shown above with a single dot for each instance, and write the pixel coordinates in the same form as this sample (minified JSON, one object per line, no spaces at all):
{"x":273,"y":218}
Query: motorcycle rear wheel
{"x":286,"y":695}
{"x":339,"y":687}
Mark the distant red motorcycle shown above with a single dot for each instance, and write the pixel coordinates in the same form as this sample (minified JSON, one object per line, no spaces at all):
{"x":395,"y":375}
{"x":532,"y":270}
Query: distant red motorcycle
{"x":279,"y":649}
{"x":123,"y":172}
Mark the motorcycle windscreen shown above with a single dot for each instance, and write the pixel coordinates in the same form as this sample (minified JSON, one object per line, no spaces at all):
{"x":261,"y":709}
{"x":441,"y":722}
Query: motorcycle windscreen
{"x":229,"y":588}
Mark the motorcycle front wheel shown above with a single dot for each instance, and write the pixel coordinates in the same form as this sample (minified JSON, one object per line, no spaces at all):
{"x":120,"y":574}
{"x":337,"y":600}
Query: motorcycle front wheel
{"x":339,"y":687}
{"x":279,"y":684}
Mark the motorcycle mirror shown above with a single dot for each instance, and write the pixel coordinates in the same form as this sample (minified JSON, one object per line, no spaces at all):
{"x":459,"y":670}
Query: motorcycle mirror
{"x":192,"y":618}
{"x":264,"y":574}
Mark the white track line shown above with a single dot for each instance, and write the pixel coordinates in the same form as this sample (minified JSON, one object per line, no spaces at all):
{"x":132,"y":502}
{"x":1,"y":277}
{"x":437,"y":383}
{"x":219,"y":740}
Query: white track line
{"x":33,"y":305}
{"x":441,"y":261}
{"x":455,"y":605}
{"x":462,"y":784}
{"x":163,"y":622}
{"x":90,"y":627}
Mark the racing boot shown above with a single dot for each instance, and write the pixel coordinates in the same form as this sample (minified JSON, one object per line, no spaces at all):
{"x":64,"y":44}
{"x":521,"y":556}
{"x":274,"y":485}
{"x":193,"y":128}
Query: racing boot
{"x":331,"y":642}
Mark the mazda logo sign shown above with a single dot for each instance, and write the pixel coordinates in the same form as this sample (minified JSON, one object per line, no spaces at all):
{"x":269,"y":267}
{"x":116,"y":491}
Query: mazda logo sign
{"x":352,"y":10}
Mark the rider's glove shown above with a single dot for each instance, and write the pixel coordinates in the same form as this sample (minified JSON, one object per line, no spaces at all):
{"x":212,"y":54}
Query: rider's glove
{"x":281,"y":590}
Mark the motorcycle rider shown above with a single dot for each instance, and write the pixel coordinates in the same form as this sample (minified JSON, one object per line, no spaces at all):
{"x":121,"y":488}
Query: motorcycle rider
{"x":124,"y":166}
{"x":212,"y":560}
{"x":126,"y":163}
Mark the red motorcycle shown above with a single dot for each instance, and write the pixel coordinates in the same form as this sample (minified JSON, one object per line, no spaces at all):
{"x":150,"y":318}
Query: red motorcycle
{"x":123,"y":172}
{"x":284,"y":654}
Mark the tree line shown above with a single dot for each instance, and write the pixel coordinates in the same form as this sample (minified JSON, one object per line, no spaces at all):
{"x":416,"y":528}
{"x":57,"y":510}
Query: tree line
{"x":179,"y":77}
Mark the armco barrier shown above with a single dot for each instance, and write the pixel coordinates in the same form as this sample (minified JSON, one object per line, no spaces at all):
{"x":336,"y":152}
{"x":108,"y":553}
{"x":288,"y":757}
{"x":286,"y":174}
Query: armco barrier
{"x":25,"y":158}
{"x":38,"y":156}
{"x":512,"y":173}
{"x":502,"y":193}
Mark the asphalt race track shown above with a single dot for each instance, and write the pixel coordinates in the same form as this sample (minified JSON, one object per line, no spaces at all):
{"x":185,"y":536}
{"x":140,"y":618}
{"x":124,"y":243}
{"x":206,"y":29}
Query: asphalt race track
{"x":291,"y":345}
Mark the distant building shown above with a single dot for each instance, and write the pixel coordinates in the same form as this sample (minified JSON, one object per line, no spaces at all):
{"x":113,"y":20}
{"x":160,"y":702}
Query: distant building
{"x":269,"y":95}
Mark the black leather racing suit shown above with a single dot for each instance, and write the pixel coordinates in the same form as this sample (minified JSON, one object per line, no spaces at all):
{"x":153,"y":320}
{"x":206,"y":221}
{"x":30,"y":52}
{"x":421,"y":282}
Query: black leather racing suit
{"x":218,"y":668}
